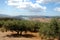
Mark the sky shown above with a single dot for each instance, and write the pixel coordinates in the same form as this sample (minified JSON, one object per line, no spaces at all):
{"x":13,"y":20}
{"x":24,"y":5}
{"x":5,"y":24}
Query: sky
{"x":30,"y":7}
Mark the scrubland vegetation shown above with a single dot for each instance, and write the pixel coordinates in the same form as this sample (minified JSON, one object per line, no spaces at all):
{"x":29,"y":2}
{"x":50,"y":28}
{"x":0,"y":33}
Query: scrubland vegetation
{"x":47,"y":30}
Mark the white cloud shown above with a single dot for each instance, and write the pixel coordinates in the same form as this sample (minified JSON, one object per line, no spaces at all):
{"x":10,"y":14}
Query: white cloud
{"x":37,"y":8}
{"x":47,"y":1}
{"x":27,"y":4}
{"x":57,"y":9}
{"x":39,"y":1}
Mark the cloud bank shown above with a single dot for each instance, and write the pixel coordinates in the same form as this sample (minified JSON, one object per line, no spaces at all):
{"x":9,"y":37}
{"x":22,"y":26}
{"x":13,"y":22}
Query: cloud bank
{"x":57,"y":9}
{"x":47,"y":1}
{"x":27,"y":5}
{"x":30,"y":6}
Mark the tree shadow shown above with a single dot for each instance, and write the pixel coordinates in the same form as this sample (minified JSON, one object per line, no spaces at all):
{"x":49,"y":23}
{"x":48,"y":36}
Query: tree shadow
{"x":18,"y":35}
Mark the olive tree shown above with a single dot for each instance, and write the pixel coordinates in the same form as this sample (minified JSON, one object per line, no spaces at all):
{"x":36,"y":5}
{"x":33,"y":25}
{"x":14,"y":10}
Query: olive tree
{"x":50,"y":30}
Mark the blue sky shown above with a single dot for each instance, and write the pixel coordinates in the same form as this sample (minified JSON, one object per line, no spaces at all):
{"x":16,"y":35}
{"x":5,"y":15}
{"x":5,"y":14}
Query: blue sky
{"x":30,"y":7}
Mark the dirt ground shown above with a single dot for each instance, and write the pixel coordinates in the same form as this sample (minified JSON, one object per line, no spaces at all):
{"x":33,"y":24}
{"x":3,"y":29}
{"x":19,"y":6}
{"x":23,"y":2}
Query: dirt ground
{"x":12,"y":36}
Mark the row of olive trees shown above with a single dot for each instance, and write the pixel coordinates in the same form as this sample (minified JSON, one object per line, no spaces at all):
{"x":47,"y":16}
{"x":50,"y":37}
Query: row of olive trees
{"x":48,"y":31}
{"x":51,"y":30}
{"x":19,"y":26}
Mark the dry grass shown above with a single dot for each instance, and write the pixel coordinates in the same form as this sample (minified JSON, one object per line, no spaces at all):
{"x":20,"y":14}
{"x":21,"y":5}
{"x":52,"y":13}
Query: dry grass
{"x":41,"y":19}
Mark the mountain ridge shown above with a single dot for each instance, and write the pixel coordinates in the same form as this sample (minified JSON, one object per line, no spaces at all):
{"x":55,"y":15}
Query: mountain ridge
{"x":30,"y":16}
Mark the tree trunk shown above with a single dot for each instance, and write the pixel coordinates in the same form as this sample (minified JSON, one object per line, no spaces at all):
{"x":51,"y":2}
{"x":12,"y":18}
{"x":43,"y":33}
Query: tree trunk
{"x":18,"y":32}
{"x":21,"y":33}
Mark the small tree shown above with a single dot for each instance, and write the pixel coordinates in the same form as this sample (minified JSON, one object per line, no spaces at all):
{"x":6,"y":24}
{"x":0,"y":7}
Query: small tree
{"x":1,"y":23}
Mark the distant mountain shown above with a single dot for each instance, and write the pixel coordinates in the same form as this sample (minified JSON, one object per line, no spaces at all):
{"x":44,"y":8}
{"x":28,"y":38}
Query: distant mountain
{"x":35,"y":16}
{"x":25,"y":17}
{"x":3,"y":15}
{"x":30,"y":17}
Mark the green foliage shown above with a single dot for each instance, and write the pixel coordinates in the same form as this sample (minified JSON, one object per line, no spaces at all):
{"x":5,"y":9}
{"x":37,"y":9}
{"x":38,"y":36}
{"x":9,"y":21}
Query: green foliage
{"x":19,"y":25}
{"x":46,"y":30}
{"x":1,"y":23}
{"x":51,"y":29}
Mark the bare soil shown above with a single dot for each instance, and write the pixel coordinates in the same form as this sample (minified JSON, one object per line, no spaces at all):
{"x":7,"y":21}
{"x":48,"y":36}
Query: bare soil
{"x":14,"y":36}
